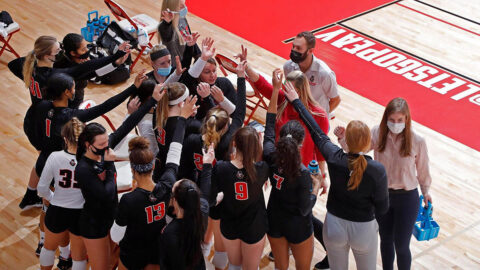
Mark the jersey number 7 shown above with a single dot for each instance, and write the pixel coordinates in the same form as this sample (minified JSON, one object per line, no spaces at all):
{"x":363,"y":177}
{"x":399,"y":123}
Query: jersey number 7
{"x":279,"y":181}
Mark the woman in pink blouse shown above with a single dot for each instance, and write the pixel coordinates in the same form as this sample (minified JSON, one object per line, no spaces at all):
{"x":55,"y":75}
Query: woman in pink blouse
{"x":404,"y":154}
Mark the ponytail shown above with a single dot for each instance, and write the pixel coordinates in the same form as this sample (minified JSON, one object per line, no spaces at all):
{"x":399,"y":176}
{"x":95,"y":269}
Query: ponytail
{"x":187,"y":195}
{"x":43,"y":46}
{"x":358,"y":139}
{"x":247,"y":143}
{"x":214,"y":122}
{"x":287,"y":155}
{"x":88,"y":135}
{"x":174,"y":91}
{"x":71,"y":131}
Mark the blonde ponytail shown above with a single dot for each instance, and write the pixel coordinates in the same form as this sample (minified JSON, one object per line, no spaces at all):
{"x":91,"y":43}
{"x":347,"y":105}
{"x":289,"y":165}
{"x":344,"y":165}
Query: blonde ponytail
{"x":214,"y":126}
{"x":173,"y":91}
{"x":72,"y":130}
{"x":28,"y":66}
{"x":358,"y":139}
{"x":43,"y":46}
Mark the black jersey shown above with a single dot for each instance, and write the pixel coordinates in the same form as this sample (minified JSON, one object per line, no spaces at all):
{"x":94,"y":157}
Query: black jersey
{"x":242,"y":211}
{"x":171,"y":248}
{"x":290,"y":196}
{"x":191,"y":163}
{"x":40,"y":75}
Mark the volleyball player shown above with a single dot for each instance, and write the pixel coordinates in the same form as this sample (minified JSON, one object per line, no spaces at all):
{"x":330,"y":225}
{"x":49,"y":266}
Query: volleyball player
{"x":61,"y":220}
{"x":293,"y":196}
{"x":34,"y":70}
{"x":141,"y":213}
{"x":357,"y":195}
{"x":95,"y":174}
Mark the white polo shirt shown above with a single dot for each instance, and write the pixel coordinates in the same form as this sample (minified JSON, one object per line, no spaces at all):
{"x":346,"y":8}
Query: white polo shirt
{"x":322,"y":80}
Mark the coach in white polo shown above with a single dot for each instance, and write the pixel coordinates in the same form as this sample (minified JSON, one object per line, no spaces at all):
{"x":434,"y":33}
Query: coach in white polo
{"x":323,"y":83}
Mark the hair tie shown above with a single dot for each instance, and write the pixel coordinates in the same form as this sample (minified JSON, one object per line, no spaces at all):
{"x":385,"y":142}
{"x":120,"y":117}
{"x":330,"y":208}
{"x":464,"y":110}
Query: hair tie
{"x":213,"y":115}
{"x":289,"y":136}
{"x":142,"y":168}
{"x":361,"y":153}
{"x":180,"y":99}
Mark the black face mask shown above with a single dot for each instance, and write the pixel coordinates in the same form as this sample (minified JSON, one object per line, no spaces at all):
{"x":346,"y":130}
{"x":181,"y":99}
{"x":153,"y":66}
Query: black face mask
{"x":297,"y":57}
{"x":72,"y":98}
{"x":84,"y":56}
{"x":99,"y":152}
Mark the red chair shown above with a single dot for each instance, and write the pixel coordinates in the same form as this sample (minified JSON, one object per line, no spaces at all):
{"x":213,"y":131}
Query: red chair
{"x":254,"y":97}
{"x":11,"y":29}
{"x":139,"y":20}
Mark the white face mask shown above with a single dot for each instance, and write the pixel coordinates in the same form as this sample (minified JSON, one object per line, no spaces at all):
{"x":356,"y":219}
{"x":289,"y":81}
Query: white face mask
{"x":396,"y":128}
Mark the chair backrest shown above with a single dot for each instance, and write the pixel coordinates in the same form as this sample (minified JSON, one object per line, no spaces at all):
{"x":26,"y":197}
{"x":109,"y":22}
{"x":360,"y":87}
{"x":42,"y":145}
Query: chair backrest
{"x":119,"y":12}
{"x":226,"y":63}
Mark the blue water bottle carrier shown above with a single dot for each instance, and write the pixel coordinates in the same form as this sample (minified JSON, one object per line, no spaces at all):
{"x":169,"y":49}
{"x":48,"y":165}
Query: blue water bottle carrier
{"x":425,"y":227}
{"x":89,"y":31}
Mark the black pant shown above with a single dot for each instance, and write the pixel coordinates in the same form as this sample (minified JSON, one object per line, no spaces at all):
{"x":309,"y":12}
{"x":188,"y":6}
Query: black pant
{"x":395,"y":228}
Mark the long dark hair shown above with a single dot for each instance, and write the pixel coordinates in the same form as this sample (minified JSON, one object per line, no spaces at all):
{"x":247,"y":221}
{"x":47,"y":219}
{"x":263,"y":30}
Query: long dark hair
{"x":58,"y":83}
{"x":287,"y":154}
{"x":71,"y":43}
{"x":187,"y":195}
{"x":145,"y":90}
{"x":247,"y":142}
{"x":88,"y":135}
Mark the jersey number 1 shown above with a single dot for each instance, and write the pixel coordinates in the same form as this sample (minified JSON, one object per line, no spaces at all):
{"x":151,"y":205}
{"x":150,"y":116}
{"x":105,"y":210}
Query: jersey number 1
{"x":155,"y":213}
{"x":241,"y":191}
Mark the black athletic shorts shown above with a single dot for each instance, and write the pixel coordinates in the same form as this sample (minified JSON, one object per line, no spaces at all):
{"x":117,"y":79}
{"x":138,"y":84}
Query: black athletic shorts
{"x":59,"y":219}
{"x":250,"y":234}
{"x":295,"y":228}
{"x":138,"y":259}
{"x":41,"y":160}
{"x":93,"y":227}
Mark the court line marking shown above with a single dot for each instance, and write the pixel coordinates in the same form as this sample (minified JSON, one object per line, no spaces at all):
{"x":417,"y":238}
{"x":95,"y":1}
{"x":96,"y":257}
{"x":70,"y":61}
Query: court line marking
{"x":346,"y":19}
{"x":438,"y":19}
{"x":409,"y":53}
{"x":449,"y":12}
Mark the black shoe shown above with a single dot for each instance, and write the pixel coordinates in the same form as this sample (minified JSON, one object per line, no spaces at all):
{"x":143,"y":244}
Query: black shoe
{"x":39,"y":249}
{"x":323,"y":264}
{"x":270,"y":256}
{"x":30,"y":200}
{"x":64,"y":264}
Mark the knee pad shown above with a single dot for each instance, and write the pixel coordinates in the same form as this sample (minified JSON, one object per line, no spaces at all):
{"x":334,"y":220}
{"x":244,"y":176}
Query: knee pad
{"x":234,"y":267}
{"x":206,"y":247}
{"x":220,"y":260}
{"x":79,"y":265}
{"x":47,"y":257}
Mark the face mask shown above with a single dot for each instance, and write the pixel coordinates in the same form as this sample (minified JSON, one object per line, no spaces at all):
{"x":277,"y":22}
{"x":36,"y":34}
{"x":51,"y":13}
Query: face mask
{"x":164,"y":71}
{"x":84,"y":56}
{"x":297,"y":57}
{"x":73,"y":97}
{"x":54,"y":59}
{"x":183,"y":12}
{"x":99,"y":152}
{"x":396,"y":128}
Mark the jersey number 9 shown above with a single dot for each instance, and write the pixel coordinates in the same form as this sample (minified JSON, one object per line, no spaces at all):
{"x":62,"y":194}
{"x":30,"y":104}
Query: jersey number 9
{"x":241,"y":191}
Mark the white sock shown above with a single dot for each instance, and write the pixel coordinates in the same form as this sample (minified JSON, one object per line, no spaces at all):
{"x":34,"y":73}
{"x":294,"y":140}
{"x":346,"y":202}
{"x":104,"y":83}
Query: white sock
{"x":30,"y":188}
{"x":47,"y":257}
{"x":65,"y":251}
{"x":42,"y":237}
{"x":79,"y":265}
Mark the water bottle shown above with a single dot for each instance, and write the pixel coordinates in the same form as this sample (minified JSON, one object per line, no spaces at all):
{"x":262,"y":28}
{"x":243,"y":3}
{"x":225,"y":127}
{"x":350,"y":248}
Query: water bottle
{"x":313,"y":167}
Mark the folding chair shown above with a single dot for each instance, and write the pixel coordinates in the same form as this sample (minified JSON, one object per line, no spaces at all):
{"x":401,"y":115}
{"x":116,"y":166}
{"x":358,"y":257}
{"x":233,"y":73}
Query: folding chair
{"x":139,"y":20}
{"x":254,"y":97}
{"x":11,"y":29}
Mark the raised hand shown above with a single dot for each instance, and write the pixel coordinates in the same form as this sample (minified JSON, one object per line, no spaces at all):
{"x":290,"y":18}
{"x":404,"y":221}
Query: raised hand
{"x":167,"y":15}
{"x":125,"y":46}
{"x":133,"y":105}
{"x":217,"y":94}
{"x":243,"y":55}
{"x":188,"y":107}
{"x":277,"y":78}
{"x":122,"y":60}
{"x":191,"y":39}
{"x":207,"y":49}
{"x":241,"y":69}
{"x":339,"y":132}
{"x":178,"y":68}
{"x":290,"y":91}
{"x":209,"y":155}
{"x":158,"y":92}
{"x":203,"y":89}
{"x":140,"y":78}
{"x":109,"y":155}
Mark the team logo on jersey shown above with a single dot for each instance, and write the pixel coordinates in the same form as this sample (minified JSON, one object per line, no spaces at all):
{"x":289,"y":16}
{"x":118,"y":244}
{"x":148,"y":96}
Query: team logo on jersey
{"x":312,"y":81}
{"x":50,"y":113}
{"x":152,"y":197}
{"x":240,"y":175}
{"x":72,"y":163}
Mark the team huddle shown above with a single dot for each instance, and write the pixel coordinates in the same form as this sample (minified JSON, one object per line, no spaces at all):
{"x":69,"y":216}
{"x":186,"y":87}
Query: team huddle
{"x":199,"y":173}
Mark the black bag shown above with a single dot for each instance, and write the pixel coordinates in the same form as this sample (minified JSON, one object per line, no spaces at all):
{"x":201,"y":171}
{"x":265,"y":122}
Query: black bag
{"x":6,"y":18}
{"x":114,"y":36}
